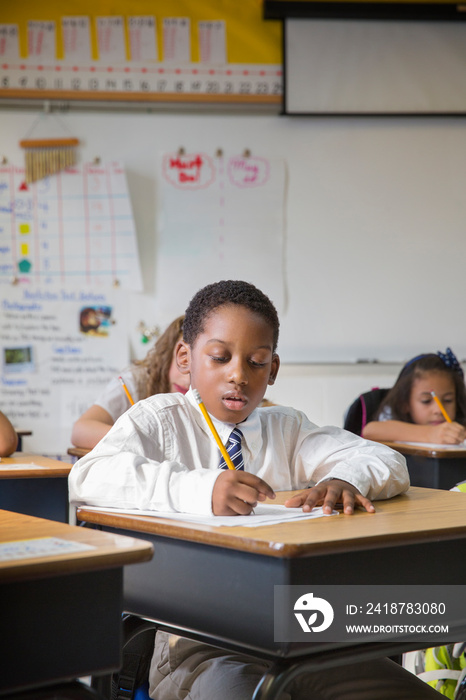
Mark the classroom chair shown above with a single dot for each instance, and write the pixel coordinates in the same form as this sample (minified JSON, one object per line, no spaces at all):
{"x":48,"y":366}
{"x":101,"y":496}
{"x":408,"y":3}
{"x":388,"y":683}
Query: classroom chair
{"x":363,"y":410}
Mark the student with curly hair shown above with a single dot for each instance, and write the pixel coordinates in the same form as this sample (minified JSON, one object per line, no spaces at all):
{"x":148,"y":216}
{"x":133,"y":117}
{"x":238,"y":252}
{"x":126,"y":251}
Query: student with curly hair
{"x":156,"y":374}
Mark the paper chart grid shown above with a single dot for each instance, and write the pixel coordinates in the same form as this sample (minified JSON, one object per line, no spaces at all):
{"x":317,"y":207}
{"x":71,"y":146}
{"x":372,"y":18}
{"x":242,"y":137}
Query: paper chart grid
{"x":76,"y":226}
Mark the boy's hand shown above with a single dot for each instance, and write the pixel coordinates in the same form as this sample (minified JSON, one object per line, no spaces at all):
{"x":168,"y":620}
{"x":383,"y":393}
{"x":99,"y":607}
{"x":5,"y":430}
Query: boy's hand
{"x":448,"y":433}
{"x":328,"y":494}
{"x":237,"y":492}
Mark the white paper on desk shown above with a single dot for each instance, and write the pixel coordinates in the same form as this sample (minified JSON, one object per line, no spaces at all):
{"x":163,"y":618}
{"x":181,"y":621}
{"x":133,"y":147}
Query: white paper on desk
{"x":264,"y":514}
{"x":7,"y":467}
{"x":41,"y":547}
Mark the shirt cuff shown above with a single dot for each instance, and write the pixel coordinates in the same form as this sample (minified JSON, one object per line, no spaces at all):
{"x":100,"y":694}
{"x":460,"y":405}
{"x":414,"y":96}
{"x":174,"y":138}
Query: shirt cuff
{"x":361,"y":484}
{"x":195,"y":495}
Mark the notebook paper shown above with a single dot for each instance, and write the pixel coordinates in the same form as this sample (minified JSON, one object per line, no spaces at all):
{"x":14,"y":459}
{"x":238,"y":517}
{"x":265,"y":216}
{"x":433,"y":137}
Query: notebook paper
{"x":264,"y":514}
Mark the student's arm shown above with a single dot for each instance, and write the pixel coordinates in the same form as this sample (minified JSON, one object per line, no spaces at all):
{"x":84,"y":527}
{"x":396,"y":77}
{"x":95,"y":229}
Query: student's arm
{"x":395,"y":430}
{"x":91,"y":427}
{"x":141,"y":464}
{"x":8,"y":437}
{"x":329,"y":453}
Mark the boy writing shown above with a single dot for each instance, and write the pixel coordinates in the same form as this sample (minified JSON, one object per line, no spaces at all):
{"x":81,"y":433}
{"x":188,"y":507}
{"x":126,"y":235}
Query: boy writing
{"x":160,"y":455}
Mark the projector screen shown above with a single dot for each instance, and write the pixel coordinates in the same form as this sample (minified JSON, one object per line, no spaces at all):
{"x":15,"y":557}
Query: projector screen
{"x":354,"y":66}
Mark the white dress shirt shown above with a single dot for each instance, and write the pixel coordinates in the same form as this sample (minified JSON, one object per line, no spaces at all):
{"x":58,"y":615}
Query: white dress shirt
{"x":386,"y":414}
{"x":113,"y":397}
{"x":160,"y":455}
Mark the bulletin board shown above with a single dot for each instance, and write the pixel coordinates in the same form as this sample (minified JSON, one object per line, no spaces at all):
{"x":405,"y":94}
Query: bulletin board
{"x":159,"y":50}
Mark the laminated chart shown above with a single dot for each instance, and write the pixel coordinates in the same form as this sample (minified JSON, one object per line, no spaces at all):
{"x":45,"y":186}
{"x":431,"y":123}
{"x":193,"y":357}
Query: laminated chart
{"x":73,"y":227}
{"x":221,"y":217}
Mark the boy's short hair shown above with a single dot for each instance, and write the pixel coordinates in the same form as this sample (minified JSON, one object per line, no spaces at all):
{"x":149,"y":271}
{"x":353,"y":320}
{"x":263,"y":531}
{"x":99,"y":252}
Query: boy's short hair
{"x":211,"y":297}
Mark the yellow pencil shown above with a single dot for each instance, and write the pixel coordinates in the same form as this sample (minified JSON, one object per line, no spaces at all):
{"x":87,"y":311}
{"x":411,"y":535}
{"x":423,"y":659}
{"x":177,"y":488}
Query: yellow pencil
{"x":441,"y":407}
{"x":213,"y":430}
{"x":130,"y":398}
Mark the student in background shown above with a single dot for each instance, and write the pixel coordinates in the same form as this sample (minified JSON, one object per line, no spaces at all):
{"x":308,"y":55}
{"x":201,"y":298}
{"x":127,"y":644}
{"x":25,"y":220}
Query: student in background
{"x":161,"y":456}
{"x":409,"y":412}
{"x":8,"y":437}
{"x":156,"y":374}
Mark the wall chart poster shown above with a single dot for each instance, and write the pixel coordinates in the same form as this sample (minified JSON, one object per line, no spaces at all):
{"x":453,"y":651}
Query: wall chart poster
{"x":73,"y":227}
{"x":222,"y":217}
{"x":58,"y":349}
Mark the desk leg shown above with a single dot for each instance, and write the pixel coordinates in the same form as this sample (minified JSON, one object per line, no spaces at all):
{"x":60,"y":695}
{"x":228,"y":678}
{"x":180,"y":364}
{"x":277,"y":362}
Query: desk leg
{"x":284,"y":671}
{"x":396,"y":681}
{"x":277,"y":678}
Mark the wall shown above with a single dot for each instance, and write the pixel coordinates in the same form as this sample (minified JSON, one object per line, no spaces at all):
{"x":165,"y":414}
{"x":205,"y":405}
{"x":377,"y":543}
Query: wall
{"x":375,"y":230}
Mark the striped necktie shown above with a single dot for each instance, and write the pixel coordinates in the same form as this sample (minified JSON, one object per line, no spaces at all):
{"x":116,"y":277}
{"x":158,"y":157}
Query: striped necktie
{"x":234,"y":450}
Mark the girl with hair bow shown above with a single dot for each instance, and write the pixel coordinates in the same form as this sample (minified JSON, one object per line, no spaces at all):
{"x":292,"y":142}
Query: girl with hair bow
{"x":409,"y":412}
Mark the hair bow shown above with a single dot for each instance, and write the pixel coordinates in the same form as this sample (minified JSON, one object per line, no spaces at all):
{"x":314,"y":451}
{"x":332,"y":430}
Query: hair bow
{"x":450,"y":360}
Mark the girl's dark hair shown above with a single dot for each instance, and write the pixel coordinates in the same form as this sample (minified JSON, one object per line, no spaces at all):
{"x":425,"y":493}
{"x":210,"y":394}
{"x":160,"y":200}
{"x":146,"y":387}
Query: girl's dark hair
{"x":157,"y":362}
{"x":209,"y":298}
{"x":398,"y":397}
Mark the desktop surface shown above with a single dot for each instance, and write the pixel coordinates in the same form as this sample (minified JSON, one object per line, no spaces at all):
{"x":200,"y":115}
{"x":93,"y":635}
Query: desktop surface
{"x":416,"y":516}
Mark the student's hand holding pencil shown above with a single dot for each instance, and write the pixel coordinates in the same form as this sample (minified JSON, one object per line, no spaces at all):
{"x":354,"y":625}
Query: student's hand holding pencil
{"x":447,"y":433}
{"x":237,"y":492}
{"x":450,"y":432}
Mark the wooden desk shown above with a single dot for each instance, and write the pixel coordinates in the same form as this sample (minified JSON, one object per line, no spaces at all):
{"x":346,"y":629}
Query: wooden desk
{"x":400,"y":544}
{"x":39,"y":492}
{"x":21,"y":433}
{"x":61,"y":614}
{"x":433,"y":466}
{"x":77,"y":451}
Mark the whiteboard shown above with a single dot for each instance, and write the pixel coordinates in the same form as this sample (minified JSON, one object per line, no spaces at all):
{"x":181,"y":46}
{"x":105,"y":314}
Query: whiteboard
{"x":375,"y":220}
{"x":374,"y":67}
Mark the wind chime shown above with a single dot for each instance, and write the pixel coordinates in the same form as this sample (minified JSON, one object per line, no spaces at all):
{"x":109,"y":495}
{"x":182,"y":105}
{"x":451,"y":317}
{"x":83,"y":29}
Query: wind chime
{"x":46,"y":157}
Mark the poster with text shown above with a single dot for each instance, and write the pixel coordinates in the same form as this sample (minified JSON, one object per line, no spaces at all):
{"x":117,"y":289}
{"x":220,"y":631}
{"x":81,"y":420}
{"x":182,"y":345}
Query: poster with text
{"x":58,"y":350}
